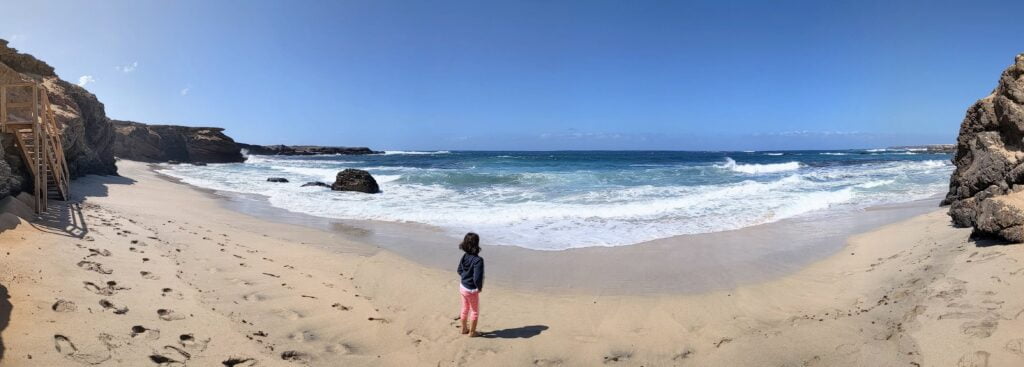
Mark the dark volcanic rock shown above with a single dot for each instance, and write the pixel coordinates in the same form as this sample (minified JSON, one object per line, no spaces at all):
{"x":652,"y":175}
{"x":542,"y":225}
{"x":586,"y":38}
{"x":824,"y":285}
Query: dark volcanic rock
{"x":304,"y":150}
{"x":277,"y":179}
{"x":163,"y":143}
{"x":315,"y":183}
{"x":984,"y":191}
{"x":355,"y":180}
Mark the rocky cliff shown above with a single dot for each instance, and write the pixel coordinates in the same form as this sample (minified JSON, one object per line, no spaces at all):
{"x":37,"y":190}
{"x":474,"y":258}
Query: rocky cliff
{"x":986,"y":190}
{"x":87,"y":133}
{"x":162,"y":143}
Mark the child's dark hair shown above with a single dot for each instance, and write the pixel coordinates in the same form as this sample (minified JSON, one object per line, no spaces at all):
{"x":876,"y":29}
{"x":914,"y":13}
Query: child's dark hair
{"x":471,"y":243}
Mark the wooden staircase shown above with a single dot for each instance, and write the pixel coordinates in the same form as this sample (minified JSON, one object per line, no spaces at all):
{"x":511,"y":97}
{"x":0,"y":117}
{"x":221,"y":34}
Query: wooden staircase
{"x":25,"y":112}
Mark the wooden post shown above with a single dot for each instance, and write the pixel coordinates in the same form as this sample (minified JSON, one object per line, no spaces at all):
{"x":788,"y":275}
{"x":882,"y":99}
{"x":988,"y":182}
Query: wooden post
{"x":37,"y":135}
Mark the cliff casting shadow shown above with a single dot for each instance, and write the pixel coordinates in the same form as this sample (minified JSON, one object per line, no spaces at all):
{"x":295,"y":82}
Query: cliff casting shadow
{"x":524,"y":332}
{"x":5,"y":316}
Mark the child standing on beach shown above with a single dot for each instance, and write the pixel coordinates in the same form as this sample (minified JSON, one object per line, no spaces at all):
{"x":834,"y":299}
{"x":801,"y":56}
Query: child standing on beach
{"x":471,"y":270}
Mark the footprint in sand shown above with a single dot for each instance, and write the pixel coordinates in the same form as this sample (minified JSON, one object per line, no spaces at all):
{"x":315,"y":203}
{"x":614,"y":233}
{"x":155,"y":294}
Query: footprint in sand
{"x":109,"y":290}
{"x":64,"y":306}
{"x":296,"y":356}
{"x":189,"y":342}
{"x":139,"y":330}
{"x":303,"y":336}
{"x":66,"y":348}
{"x":254,"y":297}
{"x":168,"y":292}
{"x":178,"y":351}
{"x":148,"y":275}
{"x":94,"y":266}
{"x":979,"y":329}
{"x":1015,"y":346}
{"x":340,"y":348}
{"x":288,"y":314}
{"x":162,"y":360}
{"x":107,"y":305}
{"x":98,"y":252}
{"x":239,"y":362}
{"x":545,"y":362}
{"x":168,"y":315}
{"x":974,"y":359}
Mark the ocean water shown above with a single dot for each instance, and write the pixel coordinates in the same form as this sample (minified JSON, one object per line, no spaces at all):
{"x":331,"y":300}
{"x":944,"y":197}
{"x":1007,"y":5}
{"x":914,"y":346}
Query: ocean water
{"x":561,"y":200}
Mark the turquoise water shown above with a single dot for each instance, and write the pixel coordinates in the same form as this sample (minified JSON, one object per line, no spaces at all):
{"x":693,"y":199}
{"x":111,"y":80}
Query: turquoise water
{"x":559,"y":200}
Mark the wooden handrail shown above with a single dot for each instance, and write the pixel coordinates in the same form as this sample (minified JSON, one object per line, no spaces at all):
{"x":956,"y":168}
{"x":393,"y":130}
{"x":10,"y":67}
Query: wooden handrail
{"x":41,"y":147}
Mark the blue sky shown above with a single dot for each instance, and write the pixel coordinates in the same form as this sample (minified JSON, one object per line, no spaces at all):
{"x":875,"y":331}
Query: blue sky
{"x":695,"y":75}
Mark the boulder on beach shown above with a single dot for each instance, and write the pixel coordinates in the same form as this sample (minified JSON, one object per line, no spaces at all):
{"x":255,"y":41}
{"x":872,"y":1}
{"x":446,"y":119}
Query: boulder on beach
{"x":986,"y":190}
{"x":277,"y":179}
{"x":355,"y":180}
{"x":315,"y":183}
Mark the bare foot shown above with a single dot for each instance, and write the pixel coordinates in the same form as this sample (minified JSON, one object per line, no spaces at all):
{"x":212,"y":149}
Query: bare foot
{"x":473,"y":334}
{"x":465,"y":331}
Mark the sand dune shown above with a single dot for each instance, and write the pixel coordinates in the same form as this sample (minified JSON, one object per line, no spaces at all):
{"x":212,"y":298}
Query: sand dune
{"x":141,"y":271}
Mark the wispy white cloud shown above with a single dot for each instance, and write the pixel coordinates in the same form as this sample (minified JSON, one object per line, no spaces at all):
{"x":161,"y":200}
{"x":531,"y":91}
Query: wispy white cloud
{"x":184,"y":91}
{"x":127,"y":68}
{"x":15,"y":38}
{"x":85,"y":79}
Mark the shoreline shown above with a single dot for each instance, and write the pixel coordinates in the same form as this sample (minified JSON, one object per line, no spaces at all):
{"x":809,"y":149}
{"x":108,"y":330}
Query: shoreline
{"x":192,"y":276}
{"x":706,"y":261}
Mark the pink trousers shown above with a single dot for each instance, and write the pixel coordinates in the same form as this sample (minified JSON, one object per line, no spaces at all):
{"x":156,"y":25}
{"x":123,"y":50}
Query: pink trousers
{"x":470,"y":304}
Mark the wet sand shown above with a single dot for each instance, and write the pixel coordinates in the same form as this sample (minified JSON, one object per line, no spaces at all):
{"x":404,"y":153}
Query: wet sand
{"x":140,"y":271}
{"x":679,"y":264}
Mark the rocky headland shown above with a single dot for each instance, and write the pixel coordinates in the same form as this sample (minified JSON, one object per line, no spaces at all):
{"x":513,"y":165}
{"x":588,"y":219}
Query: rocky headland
{"x":929,"y":148}
{"x":304,"y":150}
{"x":986,"y":191}
{"x":165,"y":143}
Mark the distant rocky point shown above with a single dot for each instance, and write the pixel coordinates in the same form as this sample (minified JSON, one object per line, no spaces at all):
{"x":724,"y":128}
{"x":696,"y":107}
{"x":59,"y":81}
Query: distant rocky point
{"x":304,"y":150}
{"x":170,"y":143}
{"x":930,"y":148}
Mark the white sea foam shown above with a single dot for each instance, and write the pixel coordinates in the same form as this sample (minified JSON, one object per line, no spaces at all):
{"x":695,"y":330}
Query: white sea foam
{"x":756,"y":169}
{"x":775,"y":154}
{"x":579,"y":208}
{"x":834,"y":153}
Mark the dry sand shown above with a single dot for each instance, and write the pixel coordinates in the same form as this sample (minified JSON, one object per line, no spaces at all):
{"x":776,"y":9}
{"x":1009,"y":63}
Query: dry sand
{"x":140,"y":271}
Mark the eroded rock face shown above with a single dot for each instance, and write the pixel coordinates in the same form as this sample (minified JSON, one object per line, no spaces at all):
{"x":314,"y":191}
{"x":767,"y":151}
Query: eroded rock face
{"x":989,"y":171}
{"x":355,"y":180}
{"x":13,"y":177}
{"x":164,"y":143}
{"x":87,"y":136}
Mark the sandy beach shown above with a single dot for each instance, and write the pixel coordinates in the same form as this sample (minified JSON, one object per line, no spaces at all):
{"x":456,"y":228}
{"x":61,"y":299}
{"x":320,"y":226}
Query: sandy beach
{"x":138,"y":270}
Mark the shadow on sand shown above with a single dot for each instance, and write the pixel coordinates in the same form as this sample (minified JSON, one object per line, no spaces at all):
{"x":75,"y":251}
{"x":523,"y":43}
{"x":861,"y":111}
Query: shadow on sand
{"x":523,"y":332}
{"x":5,"y":316}
{"x":65,"y":217}
{"x":989,"y":241}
